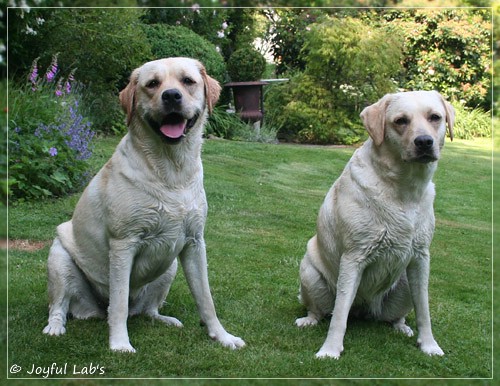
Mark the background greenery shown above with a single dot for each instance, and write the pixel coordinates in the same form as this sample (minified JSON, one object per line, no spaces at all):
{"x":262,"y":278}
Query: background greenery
{"x":263,"y":203}
{"x":246,"y":184}
{"x":48,"y":159}
{"x":168,"y":41}
{"x":338,"y":60}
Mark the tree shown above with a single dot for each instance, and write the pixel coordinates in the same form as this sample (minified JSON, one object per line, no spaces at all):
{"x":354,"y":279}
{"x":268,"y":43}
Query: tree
{"x":447,"y":50}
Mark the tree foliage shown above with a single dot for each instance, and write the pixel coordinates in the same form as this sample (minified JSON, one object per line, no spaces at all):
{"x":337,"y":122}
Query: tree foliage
{"x":341,"y":62}
{"x":346,"y":65}
{"x":447,"y":50}
{"x":346,"y":54}
{"x":287,"y":36}
{"x":227,"y":28}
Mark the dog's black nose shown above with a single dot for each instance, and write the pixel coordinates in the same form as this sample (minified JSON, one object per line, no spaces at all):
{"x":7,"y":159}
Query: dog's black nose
{"x":172,"y":96}
{"x":424,"y":142}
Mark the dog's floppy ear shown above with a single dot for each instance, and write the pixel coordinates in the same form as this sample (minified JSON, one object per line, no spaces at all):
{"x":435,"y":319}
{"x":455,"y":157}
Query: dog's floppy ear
{"x":450,"y":115}
{"x":127,"y":96}
{"x":373,"y":118}
{"x":212,"y":89}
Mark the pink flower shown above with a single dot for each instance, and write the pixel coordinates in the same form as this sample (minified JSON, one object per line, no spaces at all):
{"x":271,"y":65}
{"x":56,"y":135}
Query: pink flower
{"x":34,"y":75}
{"x":51,"y":73}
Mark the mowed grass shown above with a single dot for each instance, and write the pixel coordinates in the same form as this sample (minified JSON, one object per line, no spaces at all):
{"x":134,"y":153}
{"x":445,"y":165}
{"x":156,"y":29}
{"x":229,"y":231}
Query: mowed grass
{"x":263,"y":202}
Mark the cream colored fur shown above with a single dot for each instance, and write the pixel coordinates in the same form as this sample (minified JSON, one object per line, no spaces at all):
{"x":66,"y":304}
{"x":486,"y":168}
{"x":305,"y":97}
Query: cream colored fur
{"x":370,"y":255}
{"x":144,"y":208}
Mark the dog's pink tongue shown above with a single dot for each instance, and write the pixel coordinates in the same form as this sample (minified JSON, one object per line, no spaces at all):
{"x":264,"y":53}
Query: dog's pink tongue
{"x":173,"y":130}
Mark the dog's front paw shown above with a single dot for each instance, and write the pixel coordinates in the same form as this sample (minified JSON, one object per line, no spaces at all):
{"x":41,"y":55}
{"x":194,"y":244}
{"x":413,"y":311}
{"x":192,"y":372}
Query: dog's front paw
{"x":231,"y":341}
{"x":121,"y":347}
{"x":431,"y":348}
{"x":54,"y":328}
{"x":329,"y":353}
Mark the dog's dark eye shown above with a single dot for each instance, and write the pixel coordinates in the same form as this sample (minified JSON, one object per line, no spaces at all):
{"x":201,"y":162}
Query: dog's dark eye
{"x":435,"y":118}
{"x":402,"y":121}
{"x":188,"y":81}
{"x":152,"y":83}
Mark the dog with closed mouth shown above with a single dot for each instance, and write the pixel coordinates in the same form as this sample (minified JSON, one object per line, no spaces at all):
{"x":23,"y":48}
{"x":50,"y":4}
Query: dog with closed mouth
{"x":144,"y":208}
{"x":370,"y":255}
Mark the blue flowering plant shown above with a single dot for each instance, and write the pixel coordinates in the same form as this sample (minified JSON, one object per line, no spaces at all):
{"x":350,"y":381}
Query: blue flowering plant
{"x":50,"y":139}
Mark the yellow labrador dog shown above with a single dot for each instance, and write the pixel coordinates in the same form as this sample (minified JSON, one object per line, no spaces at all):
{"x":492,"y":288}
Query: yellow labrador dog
{"x":144,"y":208}
{"x":370,"y":255}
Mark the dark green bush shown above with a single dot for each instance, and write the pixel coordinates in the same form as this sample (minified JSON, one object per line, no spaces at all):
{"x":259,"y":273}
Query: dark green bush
{"x":246,"y":64}
{"x":169,"y":41}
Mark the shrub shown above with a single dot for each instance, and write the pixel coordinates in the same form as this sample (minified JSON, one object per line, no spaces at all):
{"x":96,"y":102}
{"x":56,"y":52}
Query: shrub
{"x":228,"y":125}
{"x":167,"y":41}
{"x":223,"y":124}
{"x":471,"y":123}
{"x":250,"y":133}
{"x":305,"y":112}
{"x":49,"y":137}
{"x":246,"y":64}
{"x":348,"y":65}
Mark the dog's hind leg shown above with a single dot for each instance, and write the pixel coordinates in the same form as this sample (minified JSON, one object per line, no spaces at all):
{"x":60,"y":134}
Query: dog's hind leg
{"x":315,"y":294}
{"x":151,"y":299}
{"x":68,"y":291}
{"x":396,"y":304}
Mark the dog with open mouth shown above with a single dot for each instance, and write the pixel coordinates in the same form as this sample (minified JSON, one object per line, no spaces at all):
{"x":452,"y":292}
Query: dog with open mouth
{"x":144,"y":209}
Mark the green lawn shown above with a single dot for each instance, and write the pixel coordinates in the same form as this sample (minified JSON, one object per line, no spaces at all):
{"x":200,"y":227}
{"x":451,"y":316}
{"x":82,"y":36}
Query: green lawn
{"x":263,"y":202}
